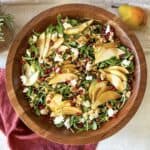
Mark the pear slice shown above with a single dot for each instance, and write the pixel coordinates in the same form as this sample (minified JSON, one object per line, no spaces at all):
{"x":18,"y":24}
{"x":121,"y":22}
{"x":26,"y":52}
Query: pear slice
{"x":30,"y":75}
{"x":116,"y":82}
{"x":71,"y":111}
{"x":118,"y":73}
{"x":62,"y":78}
{"x":41,"y":44}
{"x":106,"y":51}
{"x":119,"y":68}
{"x":47,"y":44}
{"x":106,"y":96}
{"x":102,"y":90}
{"x":96,"y":89}
{"x":56,"y":45}
{"x":79,"y":28}
{"x":92,"y":85}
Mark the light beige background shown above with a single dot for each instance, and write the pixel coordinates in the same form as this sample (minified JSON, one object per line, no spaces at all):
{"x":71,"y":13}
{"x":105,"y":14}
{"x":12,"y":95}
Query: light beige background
{"x":136,"y":134}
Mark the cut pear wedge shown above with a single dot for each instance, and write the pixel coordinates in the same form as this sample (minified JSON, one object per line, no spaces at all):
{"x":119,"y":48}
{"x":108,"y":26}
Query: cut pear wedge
{"x":56,"y":45}
{"x":117,"y":73}
{"x":102,"y":90}
{"x":116,"y":82}
{"x":119,"y":68}
{"x":63,"y":77}
{"x":106,"y":51}
{"x":79,"y":28}
{"x":92,"y":86}
{"x":104,"y":97}
{"x":41,"y":45}
{"x":97,"y":88}
{"x":71,"y":110}
{"x":30,"y":75}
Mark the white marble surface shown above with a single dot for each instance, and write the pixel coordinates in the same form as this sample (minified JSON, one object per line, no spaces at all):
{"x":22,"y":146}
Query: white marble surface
{"x":136,"y":134}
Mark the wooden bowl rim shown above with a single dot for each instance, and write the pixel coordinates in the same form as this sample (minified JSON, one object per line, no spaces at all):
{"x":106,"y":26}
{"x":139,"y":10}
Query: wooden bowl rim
{"x":95,"y":136}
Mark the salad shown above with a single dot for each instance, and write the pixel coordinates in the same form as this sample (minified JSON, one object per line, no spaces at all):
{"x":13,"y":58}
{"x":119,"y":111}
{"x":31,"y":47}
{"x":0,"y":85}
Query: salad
{"x":77,"y":73}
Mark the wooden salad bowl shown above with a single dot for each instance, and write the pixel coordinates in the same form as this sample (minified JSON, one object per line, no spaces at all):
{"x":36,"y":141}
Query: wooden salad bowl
{"x":41,"y":126}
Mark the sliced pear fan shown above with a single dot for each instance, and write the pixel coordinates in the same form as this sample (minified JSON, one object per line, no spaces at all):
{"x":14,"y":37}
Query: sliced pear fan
{"x":106,"y":51}
{"x":95,"y":89}
{"x":62,"y":78}
{"x":116,"y":81}
{"x":104,"y":97}
{"x":79,"y":28}
{"x":57,"y":43}
{"x":117,"y":73}
{"x":119,"y":68}
{"x":69,"y":68}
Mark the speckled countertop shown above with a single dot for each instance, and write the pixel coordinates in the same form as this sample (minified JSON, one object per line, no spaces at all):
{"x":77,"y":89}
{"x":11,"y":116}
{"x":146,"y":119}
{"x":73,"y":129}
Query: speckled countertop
{"x":136,"y":134}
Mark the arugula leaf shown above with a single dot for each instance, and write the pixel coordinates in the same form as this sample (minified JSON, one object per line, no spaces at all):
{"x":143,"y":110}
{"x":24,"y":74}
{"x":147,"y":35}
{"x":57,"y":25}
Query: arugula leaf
{"x":110,"y":62}
{"x":59,"y":27}
{"x":73,"y":22}
{"x":87,"y":51}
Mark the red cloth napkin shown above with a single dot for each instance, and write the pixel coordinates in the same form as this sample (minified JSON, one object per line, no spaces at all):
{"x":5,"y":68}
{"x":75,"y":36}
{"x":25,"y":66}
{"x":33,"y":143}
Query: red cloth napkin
{"x":19,"y":136}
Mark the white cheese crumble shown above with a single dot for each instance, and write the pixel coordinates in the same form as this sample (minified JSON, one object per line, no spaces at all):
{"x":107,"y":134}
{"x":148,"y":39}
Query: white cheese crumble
{"x":25,"y":90}
{"x":111,"y":112}
{"x":89,"y":78}
{"x":125,"y":63}
{"x":82,"y":120}
{"x":58,"y":119}
{"x":58,"y":58}
{"x":93,"y":114}
{"x":34,"y":38}
{"x":67,"y":25}
{"x":107,"y":29}
{"x":73,"y":82}
{"x":88,"y":66}
{"x":57,"y":70}
{"x":44,"y":111}
{"x":67,"y":123}
{"x":62,"y":48}
{"x":28,"y":52}
{"x":75,"y":51}
{"x":86,"y":103}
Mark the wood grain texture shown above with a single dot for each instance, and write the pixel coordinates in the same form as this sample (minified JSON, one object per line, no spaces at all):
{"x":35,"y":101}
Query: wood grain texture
{"x":13,"y":72}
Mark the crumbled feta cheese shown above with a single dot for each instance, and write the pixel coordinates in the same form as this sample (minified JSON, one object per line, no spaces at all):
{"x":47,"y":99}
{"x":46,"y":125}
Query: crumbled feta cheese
{"x":58,"y":58}
{"x":88,"y":66}
{"x":107,"y":29}
{"x":44,"y":111}
{"x":28,"y":52}
{"x":125,"y":63}
{"x":85,"y":115}
{"x":86,"y":103}
{"x":82,"y":120}
{"x":89,"y":78}
{"x":111,"y":36}
{"x":54,"y":36}
{"x":128,"y":94}
{"x":73,"y":82}
{"x":58,"y":119}
{"x":67,"y":25}
{"x":111,"y":112}
{"x":67,"y":123}
{"x":60,"y":35}
{"x":93,"y":114}
{"x":57,"y":70}
{"x":34,"y":38}
{"x":25,"y":90}
{"x":62,"y":48}
{"x":75,"y":51}
{"x":23,"y":79}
